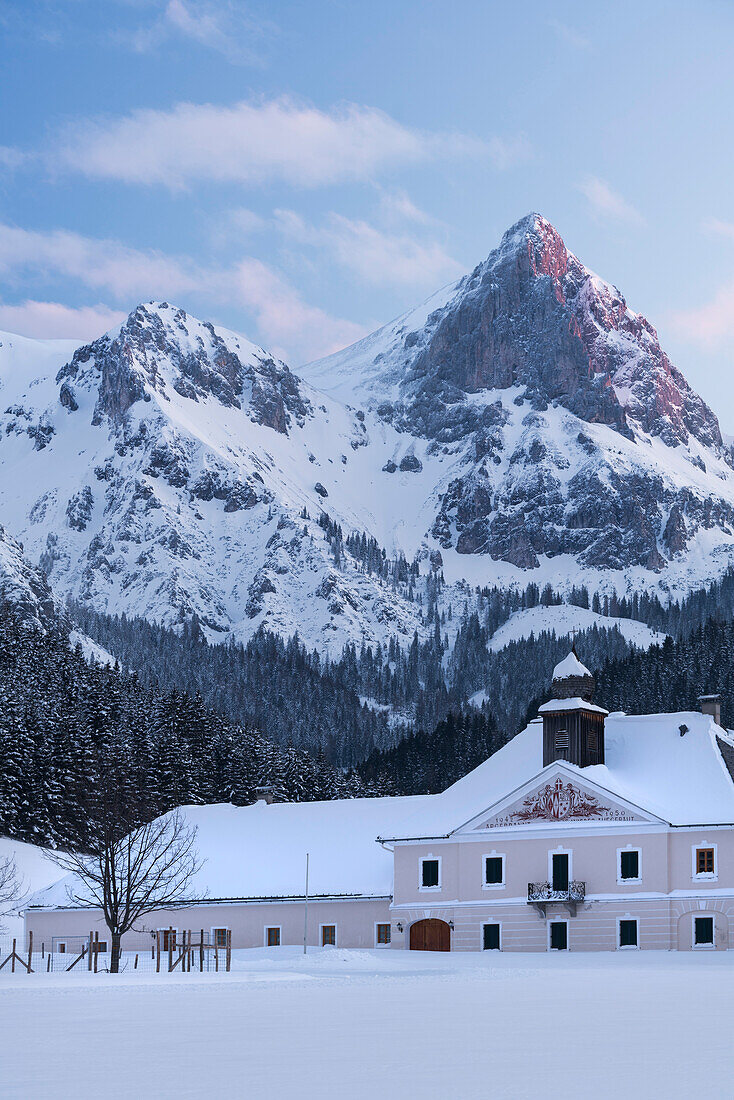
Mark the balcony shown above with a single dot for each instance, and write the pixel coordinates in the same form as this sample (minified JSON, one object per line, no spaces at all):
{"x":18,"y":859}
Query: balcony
{"x":542,"y":894}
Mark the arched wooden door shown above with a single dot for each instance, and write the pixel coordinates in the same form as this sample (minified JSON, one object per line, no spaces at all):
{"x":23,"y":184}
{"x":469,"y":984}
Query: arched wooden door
{"x":430,"y":935}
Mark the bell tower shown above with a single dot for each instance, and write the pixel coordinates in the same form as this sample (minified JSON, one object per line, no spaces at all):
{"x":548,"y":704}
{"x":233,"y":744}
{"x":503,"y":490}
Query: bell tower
{"x":573,"y":727}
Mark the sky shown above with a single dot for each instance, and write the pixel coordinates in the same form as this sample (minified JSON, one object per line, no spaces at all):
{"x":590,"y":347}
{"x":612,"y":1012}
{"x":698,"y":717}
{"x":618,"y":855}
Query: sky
{"x":303,"y":172}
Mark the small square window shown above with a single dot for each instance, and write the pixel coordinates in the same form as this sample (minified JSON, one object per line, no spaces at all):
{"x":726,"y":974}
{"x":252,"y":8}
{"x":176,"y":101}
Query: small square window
{"x":704,"y":861}
{"x":628,"y":933}
{"x":61,"y":948}
{"x":703,"y":931}
{"x":629,"y":865}
{"x":168,"y":939}
{"x":429,"y":873}
{"x":383,"y":933}
{"x":272,"y":937}
{"x":328,"y":935}
{"x":491,"y":937}
{"x":100,"y":946}
{"x":493,"y":870}
{"x":220,"y":937}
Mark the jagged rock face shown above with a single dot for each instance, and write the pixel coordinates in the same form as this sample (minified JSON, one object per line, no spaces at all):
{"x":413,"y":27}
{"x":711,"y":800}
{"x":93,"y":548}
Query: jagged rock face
{"x":24,"y":590}
{"x":559,"y":409}
{"x":533,"y":316}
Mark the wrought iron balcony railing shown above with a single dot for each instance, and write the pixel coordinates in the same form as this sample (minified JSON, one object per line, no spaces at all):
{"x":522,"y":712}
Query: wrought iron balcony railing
{"x":541,"y":894}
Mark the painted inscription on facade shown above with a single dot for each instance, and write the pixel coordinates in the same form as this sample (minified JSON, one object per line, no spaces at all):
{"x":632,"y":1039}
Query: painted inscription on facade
{"x":559,"y":801}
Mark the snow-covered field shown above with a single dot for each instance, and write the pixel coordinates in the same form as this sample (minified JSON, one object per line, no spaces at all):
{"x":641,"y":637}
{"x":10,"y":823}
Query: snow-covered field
{"x":371,"y":1024}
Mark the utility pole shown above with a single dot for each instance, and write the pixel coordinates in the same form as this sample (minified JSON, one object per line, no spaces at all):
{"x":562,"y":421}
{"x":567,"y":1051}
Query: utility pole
{"x":305,"y":911}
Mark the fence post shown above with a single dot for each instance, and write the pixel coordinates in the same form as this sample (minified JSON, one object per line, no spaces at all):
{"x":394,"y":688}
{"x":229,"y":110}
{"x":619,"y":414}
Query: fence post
{"x":43,"y":949}
{"x":229,"y":948}
{"x":170,"y":949}
{"x":89,"y":954}
{"x":216,"y":953}
{"x":201,"y":953}
{"x":30,"y":951}
{"x":136,"y":961}
{"x":157,"y":950}
{"x":48,"y":964}
{"x":12,"y":961}
{"x":96,"y":950}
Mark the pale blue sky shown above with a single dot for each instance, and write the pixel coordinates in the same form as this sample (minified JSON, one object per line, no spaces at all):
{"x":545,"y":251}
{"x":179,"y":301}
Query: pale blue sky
{"x":304,"y":171}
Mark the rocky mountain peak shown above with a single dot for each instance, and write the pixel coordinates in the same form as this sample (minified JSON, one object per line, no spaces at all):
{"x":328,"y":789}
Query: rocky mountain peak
{"x":161,"y":348}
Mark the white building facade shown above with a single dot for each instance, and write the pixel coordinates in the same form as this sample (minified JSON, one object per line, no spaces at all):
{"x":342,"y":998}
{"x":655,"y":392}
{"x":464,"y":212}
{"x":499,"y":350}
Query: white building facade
{"x":586,"y":832}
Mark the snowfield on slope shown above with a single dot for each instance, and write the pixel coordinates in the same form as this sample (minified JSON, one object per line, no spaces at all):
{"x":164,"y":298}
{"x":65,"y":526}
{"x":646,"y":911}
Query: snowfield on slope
{"x":563,"y":619}
{"x":376,"y":1024}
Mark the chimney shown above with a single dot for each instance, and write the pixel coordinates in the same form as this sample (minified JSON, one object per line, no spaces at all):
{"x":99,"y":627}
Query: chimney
{"x":711,"y":704}
{"x":265,"y":794}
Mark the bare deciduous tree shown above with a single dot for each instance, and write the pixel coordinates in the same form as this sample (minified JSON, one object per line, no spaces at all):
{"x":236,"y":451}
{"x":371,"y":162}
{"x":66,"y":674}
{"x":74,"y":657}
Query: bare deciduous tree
{"x":127,"y":874}
{"x":10,"y":886}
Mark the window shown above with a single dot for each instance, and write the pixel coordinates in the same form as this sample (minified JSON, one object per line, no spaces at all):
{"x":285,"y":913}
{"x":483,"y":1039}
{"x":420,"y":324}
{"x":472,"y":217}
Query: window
{"x":166,"y":936}
{"x":628,"y":933}
{"x":272,"y":937}
{"x":328,"y":935}
{"x":558,"y":935}
{"x":219,"y":935}
{"x":61,"y":948}
{"x":562,"y":741}
{"x":382,"y":934}
{"x":703,"y":931}
{"x":494,"y":870}
{"x":100,"y":946}
{"x":491,"y":937}
{"x":592,"y":740}
{"x":629,"y":865}
{"x":430,"y":877}
{"x":704,"y":861}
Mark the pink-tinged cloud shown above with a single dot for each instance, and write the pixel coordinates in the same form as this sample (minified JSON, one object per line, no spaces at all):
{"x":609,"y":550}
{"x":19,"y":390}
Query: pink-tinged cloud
{"x":251,"y":143}
{"x":54,"y":321}
{"x":606,"y":203}
{"x":710,"y":325}
{"x":286,"y":323}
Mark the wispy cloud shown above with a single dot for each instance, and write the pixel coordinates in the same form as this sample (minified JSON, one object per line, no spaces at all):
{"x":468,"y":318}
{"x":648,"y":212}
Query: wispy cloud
{"x":52,"y":320}
{"x":711,"y":325}
{"x":719,"y":228}
{"x":370,"y":253}
{"x":606,"y":203}
{"x":224,"y":26}
{"x":508,"y":152}
{"x":251,"y":143}
{"x":570,"y":35}
{"x":285,"y":322}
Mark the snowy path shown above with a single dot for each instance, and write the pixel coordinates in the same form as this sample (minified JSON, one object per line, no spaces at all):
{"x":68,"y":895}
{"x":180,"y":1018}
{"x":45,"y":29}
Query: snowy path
{"x":371,"y":1024}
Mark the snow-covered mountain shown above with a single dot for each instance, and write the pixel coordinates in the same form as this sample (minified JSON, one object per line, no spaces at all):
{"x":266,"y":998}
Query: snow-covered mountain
{"x":523,"y":424}
{"x":567,"y":439}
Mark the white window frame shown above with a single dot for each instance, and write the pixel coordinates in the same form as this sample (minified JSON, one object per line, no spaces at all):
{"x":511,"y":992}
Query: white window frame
{"x":628,"y":946}
{"x":707,"y":876}
{"x":629,"y":881}
{"x":212,"y":929}
{"x":697,"y":915}
{"x":335,"y":926}
{"x":429,"y":889}
{"x":560,"y":852}
{"x":568,"y":938}
{"x":484,"y":925}
{"x":381,"y":946}
{"x":493,"y":885}
{"x":266,"y":929}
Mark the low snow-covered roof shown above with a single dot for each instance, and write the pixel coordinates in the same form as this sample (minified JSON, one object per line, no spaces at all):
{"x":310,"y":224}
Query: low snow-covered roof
{"x":682,"y":779}
{"x":570,"y":666}
{"x":259,"y":851}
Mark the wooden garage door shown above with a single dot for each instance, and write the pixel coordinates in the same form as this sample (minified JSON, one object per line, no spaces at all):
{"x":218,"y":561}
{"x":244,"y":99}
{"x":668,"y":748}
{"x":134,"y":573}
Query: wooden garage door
{"x":430,"y":935}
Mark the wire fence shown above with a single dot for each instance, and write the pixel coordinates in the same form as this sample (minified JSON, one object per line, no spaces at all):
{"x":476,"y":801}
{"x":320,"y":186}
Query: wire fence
{"x":170,"y":951}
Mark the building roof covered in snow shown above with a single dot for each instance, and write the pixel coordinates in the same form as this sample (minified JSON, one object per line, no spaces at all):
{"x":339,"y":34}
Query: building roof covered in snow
{"x":259,"y":851}
{"x":570,"y":666}
{"x":681,"y":777}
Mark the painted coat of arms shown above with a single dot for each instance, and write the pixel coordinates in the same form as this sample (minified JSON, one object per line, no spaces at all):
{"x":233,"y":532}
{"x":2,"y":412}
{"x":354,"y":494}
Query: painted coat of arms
{"x":559,"y":801}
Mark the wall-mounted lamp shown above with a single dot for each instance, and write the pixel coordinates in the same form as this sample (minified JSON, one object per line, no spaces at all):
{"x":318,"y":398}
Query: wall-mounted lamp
{"x":400,"y":926}
{"x":451,"y":925}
